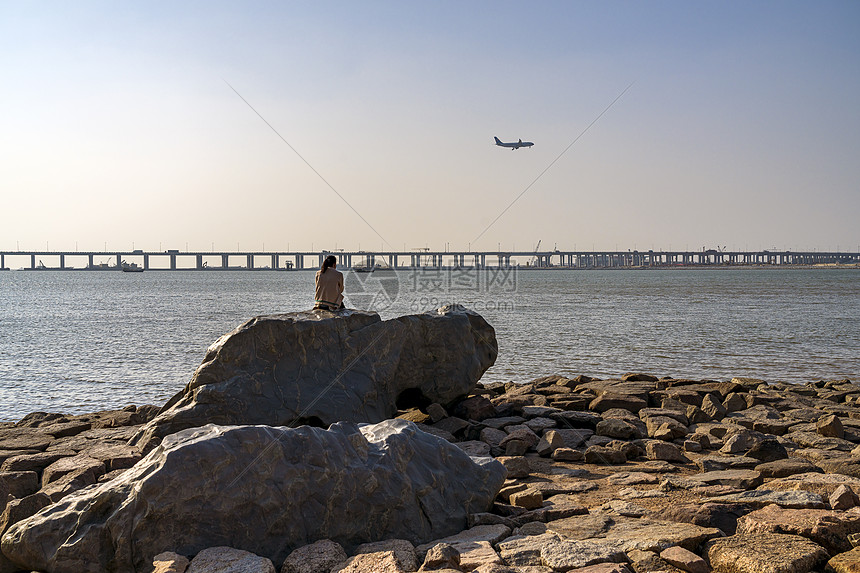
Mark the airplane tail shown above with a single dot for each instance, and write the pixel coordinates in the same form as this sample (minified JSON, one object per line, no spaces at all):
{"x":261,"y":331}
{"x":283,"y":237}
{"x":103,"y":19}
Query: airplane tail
{"x":497,"y":141}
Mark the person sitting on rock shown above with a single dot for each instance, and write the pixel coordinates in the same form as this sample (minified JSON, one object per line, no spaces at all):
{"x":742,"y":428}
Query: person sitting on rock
{"x":329,"y":286}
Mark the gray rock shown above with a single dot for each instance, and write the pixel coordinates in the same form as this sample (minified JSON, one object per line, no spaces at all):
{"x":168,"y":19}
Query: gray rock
{"x":567,"y":455}
{"x":843,"y":498}
{"x":567,"y":555}
{"x":574,"y":438}
{"x":320,"y":367}
{"x":20,"y":484}
{"x":318,"y":557}
{"x":824,"y":484}
{"x":492,"y":436}
{"x":229,"y":560}
{"x":734,"y":402}
{"x":601,"y":455}
{"x":404,"y":552}
{"x":830,"y":426}
{"x":616,"y":428}
{"x":525,"y":551}
{"x":742,"y":479}
{"x":349,"y":485}
{"x":787,"y":467}
{"x":539,"y":425}
{"x":169,"y":562}
{"x":717,"y":463}
{"x":441,"y":557}
{"x":462,"y":541}
{"x":376,"y":562}
{"x":819,"y":442}
{"x":740,"y":442}
{"x":608,"y":400}
{"x":768,"y":451}
{"x":550,"y":442}
{"x":763,"y":497}
{"x":764,"y":553}
{"x":474,"y":448}
{"x":713,"y":408}
{"x":657,"y":450}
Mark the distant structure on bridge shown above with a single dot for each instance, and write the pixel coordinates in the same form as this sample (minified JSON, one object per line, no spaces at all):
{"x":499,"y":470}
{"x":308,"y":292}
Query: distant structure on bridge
{"x":176,"y":260}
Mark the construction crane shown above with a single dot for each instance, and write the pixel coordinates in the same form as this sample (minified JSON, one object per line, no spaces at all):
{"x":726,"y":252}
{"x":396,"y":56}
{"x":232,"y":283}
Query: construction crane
{"x":535,"y":258}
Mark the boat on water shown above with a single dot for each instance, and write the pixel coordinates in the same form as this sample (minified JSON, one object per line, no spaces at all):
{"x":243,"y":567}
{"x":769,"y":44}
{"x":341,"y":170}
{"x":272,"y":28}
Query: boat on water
{"x":131,"y":268}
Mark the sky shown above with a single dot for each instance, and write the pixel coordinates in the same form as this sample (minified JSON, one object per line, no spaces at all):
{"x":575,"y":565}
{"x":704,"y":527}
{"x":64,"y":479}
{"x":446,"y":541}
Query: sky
{"x":369,"y":125}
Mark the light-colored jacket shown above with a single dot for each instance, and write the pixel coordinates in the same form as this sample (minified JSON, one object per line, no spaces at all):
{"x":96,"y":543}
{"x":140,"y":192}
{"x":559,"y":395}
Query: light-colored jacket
{"x":329,"y":288}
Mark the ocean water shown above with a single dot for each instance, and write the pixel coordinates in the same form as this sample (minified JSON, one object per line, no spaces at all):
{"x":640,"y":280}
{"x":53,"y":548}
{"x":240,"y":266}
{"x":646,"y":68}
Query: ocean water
{"x":76,"y":342}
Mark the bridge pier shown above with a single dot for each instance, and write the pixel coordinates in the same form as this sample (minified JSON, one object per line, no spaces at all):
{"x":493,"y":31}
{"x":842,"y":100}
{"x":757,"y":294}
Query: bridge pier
{"x":199,"y":262}
{"x":275,"y":261}
{"x":172,"y":262}
{"x":146,"y":262}
{"x":250,"y":262}
{"x":225,"y":261}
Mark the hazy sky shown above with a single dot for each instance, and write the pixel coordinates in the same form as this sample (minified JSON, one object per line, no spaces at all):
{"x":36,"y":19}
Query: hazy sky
{"x":741,"y":129}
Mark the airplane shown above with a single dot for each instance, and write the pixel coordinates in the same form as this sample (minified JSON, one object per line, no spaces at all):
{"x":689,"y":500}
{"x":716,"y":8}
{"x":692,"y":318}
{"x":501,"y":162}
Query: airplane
{"x":513,"y":146}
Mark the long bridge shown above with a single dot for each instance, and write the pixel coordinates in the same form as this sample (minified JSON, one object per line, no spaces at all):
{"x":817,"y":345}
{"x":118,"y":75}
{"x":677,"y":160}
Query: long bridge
{"x":424,"y":258}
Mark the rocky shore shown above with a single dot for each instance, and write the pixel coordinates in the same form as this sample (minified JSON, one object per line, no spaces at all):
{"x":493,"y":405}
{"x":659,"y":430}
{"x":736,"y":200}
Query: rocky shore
{"x":635,"y":474}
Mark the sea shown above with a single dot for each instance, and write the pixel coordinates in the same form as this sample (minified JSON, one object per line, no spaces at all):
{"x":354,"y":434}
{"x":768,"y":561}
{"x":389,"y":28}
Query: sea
{"x":83,"y":341}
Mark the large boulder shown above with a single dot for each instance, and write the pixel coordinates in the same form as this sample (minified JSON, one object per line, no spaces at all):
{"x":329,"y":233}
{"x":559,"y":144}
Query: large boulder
{"x":319,"y":367}
{"x":265,"y":490}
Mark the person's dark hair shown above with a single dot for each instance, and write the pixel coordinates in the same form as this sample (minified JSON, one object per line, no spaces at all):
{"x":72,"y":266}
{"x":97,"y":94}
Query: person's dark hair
{"x":329,"y":262}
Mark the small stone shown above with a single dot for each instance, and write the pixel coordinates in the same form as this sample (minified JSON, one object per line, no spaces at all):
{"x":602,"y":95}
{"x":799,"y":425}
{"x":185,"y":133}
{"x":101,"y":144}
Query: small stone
{"x":691,"y":446}
{"x":830,"y":426}
{"x":516,"y":448}
{"x":616,"y":428}
{"x":550,"y":442}
{"x":539,"y":425}
{"x":768,"y":451}
{"x":825,"y":527}
{"x":474,"y":448}
{"x":517,"y":466}
{"x":492,"y":436}
{"x":684,"y":559}
{"x":740,"y":442}
{"x":624,"y":508}
{"x":221,"y":559}
{"x":318,"y":557}
{"x":848,"y":562}
{"x":762,"y":497}
{"x":765,"y":553}
{"x":169,"y":562}
{"x":474,"y":408}
{"x":441,"y":556}
{"x":567,"y":555}
{"x":657,"y":450}
{"x":742,"y":479}
{"x":648,"y":561}
{"x":734,"y":402}
{"x":521,"y":433}
{"x":713,"y":408}
{"x":787,"y":467}
{"x":843,"y":498}
{"x":529,"y":498}
{"x":436,"y":412}
{"x":631,"y":478}
{"x":373,"y":562}
{"x":567,"y":455}
{"x":20,"y":484}
{"x":601,"y":455}
{"x":404,"y":551}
